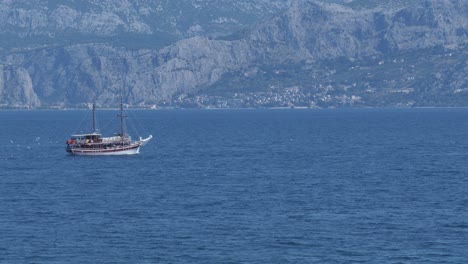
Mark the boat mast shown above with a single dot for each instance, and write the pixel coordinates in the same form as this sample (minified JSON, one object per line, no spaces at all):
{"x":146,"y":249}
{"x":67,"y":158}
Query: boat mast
{"x":121,"y":118}
{"x":94,"y":117}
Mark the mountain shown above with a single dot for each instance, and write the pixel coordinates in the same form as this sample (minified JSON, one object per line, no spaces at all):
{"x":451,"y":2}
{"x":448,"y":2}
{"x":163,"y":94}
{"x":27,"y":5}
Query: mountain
{"x":153,"y":23}
{"x":312,"y":54}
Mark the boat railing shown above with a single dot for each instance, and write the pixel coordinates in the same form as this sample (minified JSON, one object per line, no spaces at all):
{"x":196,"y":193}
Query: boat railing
{"x":115,"y":139}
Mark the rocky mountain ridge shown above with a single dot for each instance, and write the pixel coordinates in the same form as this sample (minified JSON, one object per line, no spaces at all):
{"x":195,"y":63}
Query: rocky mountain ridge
{"x":152,"y":23}
{"x":328,"y":54}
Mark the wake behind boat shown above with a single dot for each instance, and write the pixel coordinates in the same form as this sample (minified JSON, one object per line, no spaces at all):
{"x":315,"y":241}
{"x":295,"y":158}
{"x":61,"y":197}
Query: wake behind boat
{"x":94,"y":144}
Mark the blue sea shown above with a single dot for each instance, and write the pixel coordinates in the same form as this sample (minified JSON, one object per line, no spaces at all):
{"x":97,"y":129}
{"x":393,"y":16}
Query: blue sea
{"x":240,"y":186}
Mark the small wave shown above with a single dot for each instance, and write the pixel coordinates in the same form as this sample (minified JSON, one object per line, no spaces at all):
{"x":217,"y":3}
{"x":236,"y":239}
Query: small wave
{"x":457,"y":225}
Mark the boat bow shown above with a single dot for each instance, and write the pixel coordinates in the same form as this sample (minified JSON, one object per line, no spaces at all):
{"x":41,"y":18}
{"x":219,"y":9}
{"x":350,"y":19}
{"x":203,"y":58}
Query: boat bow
{"x":144,"y":141}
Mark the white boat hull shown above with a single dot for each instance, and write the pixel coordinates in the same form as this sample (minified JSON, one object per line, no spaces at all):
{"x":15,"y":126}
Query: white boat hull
{"x":130,"y":150}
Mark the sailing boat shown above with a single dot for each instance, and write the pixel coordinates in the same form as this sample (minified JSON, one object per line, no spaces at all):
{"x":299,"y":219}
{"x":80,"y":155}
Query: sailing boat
{"x":94,"y":144}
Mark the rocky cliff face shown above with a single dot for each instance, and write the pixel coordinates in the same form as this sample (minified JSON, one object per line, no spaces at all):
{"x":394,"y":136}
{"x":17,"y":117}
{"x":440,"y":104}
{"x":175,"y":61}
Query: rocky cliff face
{"x":61,"y":21}
{"x":23,"y":94}
{"x":314,"y":30}
{"x":308,"y":33}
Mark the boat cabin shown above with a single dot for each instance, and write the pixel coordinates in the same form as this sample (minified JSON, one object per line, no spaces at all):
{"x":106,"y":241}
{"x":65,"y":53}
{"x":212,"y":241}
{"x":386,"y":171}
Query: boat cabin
{"x":85,"y":138}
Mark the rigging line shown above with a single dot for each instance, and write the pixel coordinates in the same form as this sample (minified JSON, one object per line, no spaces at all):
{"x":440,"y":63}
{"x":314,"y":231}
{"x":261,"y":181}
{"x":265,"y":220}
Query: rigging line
{"x":131,"y":122}
{"x":80,"y":126}
{"x":106,"y":125}
{"x":139,"y":127}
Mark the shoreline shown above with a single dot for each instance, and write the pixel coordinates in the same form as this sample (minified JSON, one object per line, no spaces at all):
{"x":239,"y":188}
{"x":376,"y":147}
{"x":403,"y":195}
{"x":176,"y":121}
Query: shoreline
{"x":223,"y":109}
